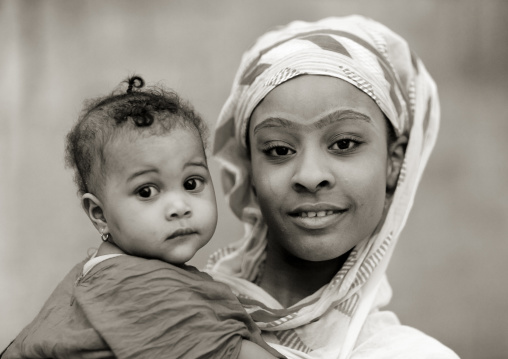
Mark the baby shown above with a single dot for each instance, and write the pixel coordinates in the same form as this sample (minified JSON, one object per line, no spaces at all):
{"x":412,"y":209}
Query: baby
{"x":140,"y":165}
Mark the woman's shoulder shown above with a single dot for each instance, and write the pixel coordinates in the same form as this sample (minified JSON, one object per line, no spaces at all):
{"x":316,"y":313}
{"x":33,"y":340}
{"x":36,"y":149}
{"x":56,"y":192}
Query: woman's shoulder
{"x":383,"y":336}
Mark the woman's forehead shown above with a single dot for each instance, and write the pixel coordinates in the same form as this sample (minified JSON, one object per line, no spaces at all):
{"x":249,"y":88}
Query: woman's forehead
{"x":315,"y":100}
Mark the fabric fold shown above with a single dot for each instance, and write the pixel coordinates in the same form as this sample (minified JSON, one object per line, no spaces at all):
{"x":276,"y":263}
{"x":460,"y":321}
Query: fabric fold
{"x":130,"y":307}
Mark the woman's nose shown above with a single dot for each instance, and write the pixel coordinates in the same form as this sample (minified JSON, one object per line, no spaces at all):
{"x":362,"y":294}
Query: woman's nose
{"x":313,"y":172}
{"x":178,"y":208}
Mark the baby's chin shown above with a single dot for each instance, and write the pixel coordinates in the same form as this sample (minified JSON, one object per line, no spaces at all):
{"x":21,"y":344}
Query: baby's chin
{"x":179,"y":256}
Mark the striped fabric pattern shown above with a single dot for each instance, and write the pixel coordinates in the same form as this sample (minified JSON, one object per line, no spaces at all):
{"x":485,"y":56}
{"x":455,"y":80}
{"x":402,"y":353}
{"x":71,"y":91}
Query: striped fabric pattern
{"x":282,"y":76}
{"x":290,"y":339}
{"x":379,"y":62}
{"x":349,"y":305}
{"x":281,"y":321}
{"x":371,"y":262}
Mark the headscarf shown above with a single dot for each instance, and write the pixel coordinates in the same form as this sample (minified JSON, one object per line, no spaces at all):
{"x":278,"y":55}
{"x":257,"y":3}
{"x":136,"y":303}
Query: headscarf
{"x":377,"y":61}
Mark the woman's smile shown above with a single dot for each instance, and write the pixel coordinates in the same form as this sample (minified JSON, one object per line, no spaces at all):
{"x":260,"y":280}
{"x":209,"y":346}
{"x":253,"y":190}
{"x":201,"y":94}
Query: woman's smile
{"x":316,"y":215}
{"x":317,"y":220}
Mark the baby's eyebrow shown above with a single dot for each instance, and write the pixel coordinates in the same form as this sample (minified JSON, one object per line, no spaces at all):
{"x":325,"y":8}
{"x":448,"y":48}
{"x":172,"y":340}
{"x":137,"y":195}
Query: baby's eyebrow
{"x":196,"y":163}
{"x":142,"y":172}
{"x":338,"y":115}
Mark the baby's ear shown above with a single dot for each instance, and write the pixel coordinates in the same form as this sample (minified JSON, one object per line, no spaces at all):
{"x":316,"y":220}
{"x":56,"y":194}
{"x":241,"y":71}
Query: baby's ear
{"x":94,"y":209}
{"x":396,"y":153}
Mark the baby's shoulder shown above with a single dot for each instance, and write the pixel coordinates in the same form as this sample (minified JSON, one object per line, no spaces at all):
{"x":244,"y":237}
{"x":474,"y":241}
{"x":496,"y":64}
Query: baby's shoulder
{"x":130,"y":268}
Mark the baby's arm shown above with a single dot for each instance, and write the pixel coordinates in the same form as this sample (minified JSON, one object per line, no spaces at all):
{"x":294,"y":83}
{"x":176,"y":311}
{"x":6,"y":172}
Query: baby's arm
{"x":251,"y":350}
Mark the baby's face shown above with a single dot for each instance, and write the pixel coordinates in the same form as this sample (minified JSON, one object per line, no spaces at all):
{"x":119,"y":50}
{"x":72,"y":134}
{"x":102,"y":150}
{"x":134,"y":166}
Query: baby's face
{"x":158,"y":198}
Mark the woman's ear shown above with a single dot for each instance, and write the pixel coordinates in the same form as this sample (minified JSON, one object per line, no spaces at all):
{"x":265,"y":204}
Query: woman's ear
{"x":94,"y":209}
{"x":396,"y":153}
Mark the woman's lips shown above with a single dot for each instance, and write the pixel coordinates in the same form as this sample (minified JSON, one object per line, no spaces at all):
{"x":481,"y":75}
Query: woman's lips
{"x":316,"y":216}
{"x":311,"y":214}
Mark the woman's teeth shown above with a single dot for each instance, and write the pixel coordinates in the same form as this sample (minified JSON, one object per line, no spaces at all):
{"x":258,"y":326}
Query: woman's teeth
{"x":316,"y":214}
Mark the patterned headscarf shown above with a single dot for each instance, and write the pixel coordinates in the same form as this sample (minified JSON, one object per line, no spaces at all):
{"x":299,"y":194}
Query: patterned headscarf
{"x":377,"y":61}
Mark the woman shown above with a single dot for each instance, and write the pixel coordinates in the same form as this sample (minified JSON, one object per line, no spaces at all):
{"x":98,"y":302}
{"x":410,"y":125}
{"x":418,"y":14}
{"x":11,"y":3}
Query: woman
{"x":322,"y":144}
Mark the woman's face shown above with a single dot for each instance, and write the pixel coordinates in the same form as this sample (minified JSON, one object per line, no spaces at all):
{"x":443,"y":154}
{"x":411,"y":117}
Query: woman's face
{"x":320,"y":161}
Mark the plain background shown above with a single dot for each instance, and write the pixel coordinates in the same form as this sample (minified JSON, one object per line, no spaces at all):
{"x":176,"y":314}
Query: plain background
{"x":449,"y":270}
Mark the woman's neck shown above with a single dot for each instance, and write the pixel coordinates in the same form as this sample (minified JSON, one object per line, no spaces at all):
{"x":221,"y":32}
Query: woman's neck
{"x":290,"y":279}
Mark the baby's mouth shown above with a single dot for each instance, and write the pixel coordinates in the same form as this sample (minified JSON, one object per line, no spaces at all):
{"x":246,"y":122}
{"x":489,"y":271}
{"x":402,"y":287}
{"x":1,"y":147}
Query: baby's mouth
{"x":182,"y":232}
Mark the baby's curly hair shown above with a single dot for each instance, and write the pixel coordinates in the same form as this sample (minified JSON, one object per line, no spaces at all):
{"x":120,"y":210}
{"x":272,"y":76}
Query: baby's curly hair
{"x":148,"y":111}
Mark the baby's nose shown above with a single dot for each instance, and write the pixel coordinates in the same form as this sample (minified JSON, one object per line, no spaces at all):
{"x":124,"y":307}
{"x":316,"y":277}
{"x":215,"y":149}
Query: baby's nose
{"x":178,"y":208}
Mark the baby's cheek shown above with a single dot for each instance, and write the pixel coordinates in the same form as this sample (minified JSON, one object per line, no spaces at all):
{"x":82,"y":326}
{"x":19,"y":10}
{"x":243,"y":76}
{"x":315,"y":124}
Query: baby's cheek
{"x":208,"y":217}
{"x":114,"y":226}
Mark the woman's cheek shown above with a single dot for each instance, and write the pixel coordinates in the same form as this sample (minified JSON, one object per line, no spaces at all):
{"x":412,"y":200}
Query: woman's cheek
{"x":372,"y":192}
{"x":267,"y":183}
{"x":270,"y":184}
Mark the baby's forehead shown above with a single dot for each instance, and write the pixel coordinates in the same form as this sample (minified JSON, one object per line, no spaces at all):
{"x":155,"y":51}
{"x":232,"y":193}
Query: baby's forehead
{"x":174,"y":147}
{"x":120,"y":140}
{"x":141,"y":138}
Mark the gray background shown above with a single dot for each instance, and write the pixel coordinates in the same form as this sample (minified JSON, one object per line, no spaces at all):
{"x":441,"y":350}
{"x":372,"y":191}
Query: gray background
{"x":449,"y":270}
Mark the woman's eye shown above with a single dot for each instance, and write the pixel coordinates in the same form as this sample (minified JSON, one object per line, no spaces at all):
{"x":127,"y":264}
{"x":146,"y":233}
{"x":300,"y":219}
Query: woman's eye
{"x":147,"y":191}
{"x":344,"y":144}
{"x":278,"y":151}
{"x":193,"y":184}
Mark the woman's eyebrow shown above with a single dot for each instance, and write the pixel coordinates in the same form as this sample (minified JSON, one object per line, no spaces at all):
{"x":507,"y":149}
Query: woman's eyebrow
{"x":338,"y":115}
{"x":341,"y":115}
{"x":274,"y":122}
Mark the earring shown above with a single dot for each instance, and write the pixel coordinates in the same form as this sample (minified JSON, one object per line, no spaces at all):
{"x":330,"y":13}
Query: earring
{"x":104,"y":237}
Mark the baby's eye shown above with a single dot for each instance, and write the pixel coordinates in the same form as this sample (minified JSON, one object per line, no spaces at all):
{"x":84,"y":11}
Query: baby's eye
{"x":194,"y":184}
{"x":278,"y":151}
{"x":344,"y":144}
{"x":147,"y":191}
